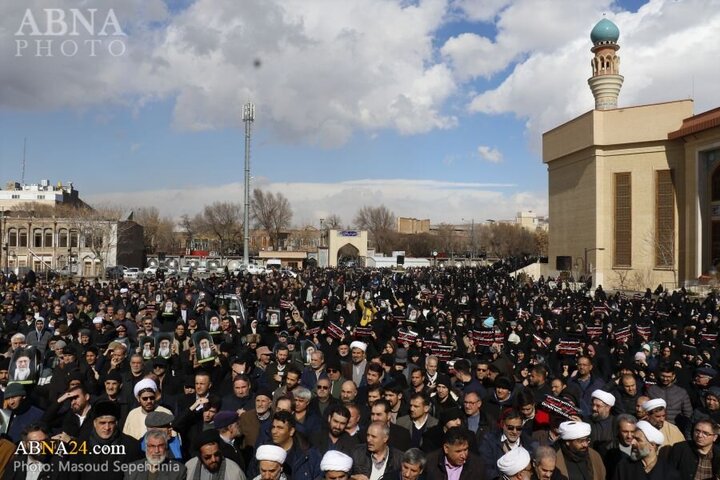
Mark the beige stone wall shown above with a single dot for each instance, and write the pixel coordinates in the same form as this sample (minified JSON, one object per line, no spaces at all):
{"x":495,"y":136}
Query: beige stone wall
{"x":582,"y":157}
{"x":642,"y":161}
{"x":572,"y":212}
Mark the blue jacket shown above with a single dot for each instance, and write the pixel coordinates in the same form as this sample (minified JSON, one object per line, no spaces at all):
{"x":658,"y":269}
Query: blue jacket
{"x":595,"y":383}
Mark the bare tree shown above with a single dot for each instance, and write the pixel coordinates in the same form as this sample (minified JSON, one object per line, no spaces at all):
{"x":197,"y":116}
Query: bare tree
{"x":157,"y":231}
{"x":224,"y":221}
{"x":105,"y":230}
{"x":333,"y":222}
{"x":380,"y":224}
{"x":271,"y":212}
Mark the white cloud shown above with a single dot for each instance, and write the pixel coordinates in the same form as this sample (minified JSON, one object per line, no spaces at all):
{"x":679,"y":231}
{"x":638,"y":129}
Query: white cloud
{"x":438,"y":200}
{"x":666,"y":52}
{"x":327,"y":68}
{"x":481,"y":10}
{"x":490,"y":154}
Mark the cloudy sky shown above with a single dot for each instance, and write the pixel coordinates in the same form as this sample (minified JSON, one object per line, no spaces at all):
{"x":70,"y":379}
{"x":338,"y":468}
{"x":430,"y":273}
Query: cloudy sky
{"x":434,"y":108}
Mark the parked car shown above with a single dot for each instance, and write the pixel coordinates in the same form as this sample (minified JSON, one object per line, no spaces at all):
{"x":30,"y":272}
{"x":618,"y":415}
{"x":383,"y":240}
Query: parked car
{"x":254,"y":269}
{"x":288,"y":271}
{"x":133,"y":273}
{"x":150,"y":271}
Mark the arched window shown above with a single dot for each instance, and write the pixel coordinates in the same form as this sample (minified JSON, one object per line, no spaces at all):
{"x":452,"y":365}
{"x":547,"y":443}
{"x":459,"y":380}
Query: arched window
{"x":13,"y":237}
{"x":74,"y":240}
{"x":23,"y":237}
{"x":63,"y":238}
{"x":48,"y":242}
{"x":715,"y":185}
{"x":37,"y":238}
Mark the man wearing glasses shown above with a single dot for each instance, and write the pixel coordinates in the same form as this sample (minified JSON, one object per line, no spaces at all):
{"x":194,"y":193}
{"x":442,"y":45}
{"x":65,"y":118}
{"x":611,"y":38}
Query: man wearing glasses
{"x":498,"y":443}
{"x":576,"y":460}
{"x":334,"y":374}
{"x":699,"y":457}
{"x":146,"y":393}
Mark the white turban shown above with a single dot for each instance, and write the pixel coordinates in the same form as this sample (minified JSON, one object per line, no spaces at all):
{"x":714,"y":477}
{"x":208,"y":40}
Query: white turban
{"x":640,"y":357}
{"x":123,"y":290}
{"x":356,"y":344}
{"x":271,"y":453}
{"x":574,"y":430}
{"x":334,"y":461}
{"x":651,"y":405}
{"x":144,"y":384}
{"x":651,"y":433}
{"x":605,"y":397}
{"x":97,"y":320}
{"x":514,"y":462}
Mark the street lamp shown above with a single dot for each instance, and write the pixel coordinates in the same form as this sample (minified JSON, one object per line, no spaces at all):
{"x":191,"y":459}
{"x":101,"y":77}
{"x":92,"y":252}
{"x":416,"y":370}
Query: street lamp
{"x":587,"y":250}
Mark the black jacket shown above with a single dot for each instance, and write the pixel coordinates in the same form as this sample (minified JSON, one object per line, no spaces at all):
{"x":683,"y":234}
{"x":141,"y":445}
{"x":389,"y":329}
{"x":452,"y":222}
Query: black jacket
{"x":684,"y":457}
{"x":472,"y":470}
{"x":362,"y":463}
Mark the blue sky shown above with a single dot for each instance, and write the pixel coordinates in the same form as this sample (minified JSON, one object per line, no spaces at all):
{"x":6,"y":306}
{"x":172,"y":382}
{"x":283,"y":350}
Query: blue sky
{"x":434,"y":108}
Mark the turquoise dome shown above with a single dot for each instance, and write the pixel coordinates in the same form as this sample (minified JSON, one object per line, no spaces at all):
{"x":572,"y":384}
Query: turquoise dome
{"x":605,"y":31}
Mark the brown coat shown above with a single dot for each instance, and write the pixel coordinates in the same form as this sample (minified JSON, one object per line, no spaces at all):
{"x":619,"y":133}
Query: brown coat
{"x":249,"y":428}
{"x":595,"y":460}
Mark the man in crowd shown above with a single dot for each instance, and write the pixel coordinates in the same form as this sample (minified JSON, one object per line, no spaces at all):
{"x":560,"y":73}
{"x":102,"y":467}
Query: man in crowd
{"x":698,"y":457}
{"x":419,"y":418}
{"x":210,"y":463}
{"x":454,"y":460}
{"x":602,"y":421}
{"x":657,"y":416}
{"x":376,"y":457}
{"x":644,"y":461}
{"x":576,"y":460}
{"x":677,"y":400}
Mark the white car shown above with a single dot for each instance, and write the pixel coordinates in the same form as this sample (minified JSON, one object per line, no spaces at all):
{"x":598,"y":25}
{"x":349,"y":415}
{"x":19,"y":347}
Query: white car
{"x":288,"y":272}
{"x":253,"y":269}
{"x":133,"y":273}
{"x":150,"y":271}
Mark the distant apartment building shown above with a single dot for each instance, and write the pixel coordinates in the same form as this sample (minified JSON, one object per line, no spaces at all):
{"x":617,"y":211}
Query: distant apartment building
{"x":16,"y":195}
{"x":529,"y":220}
{"x":408,"y":225}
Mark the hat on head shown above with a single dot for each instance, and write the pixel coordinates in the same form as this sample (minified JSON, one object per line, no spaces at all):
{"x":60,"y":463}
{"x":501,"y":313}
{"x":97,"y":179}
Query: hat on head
{"x":144,"y":384}
{"x":4,"y":363}
{"x":651,"y":433}
{"x":401,"y":356}
{"x":357,"y":344}
{"x":653,"y":404}
{"x":14,"y":390}
{"x":97,"y":320}
{"x":714,"y":391}
{"x":443,"y":379}
{"x":574,"y":430}
{"x":114,"y":375}
{"x":489,"y":322}
{"x":514,"y":462}
{"x":68,"y":350}
{"x":60,"y":344}
{"x":263,"y":351}
{"x":605,"y":397}
{"x":107,"y":409}
{"x":158,"y":419}
{"x":123,"y":290}
{"x":335,"y":461}
{"x":707,"y":371}
{"x":272,"y":453}
{"x":640,"y":357}
{"x":264,"y":392}
{"x":225,"y":418}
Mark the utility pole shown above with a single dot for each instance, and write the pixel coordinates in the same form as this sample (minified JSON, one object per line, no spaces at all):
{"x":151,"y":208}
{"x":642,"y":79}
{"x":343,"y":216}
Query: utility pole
{"x":248,"y":118}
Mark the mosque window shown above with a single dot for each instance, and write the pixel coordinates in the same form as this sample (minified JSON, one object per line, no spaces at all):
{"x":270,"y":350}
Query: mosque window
{"x":623,"y":220}
{"x":665,"y":220}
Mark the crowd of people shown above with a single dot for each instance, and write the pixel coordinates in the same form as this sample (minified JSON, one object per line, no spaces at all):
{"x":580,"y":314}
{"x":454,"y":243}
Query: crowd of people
{"x":356,"y":373}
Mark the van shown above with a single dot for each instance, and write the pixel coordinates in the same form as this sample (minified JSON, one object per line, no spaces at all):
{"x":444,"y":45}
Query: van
{"x":273,"y":263}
